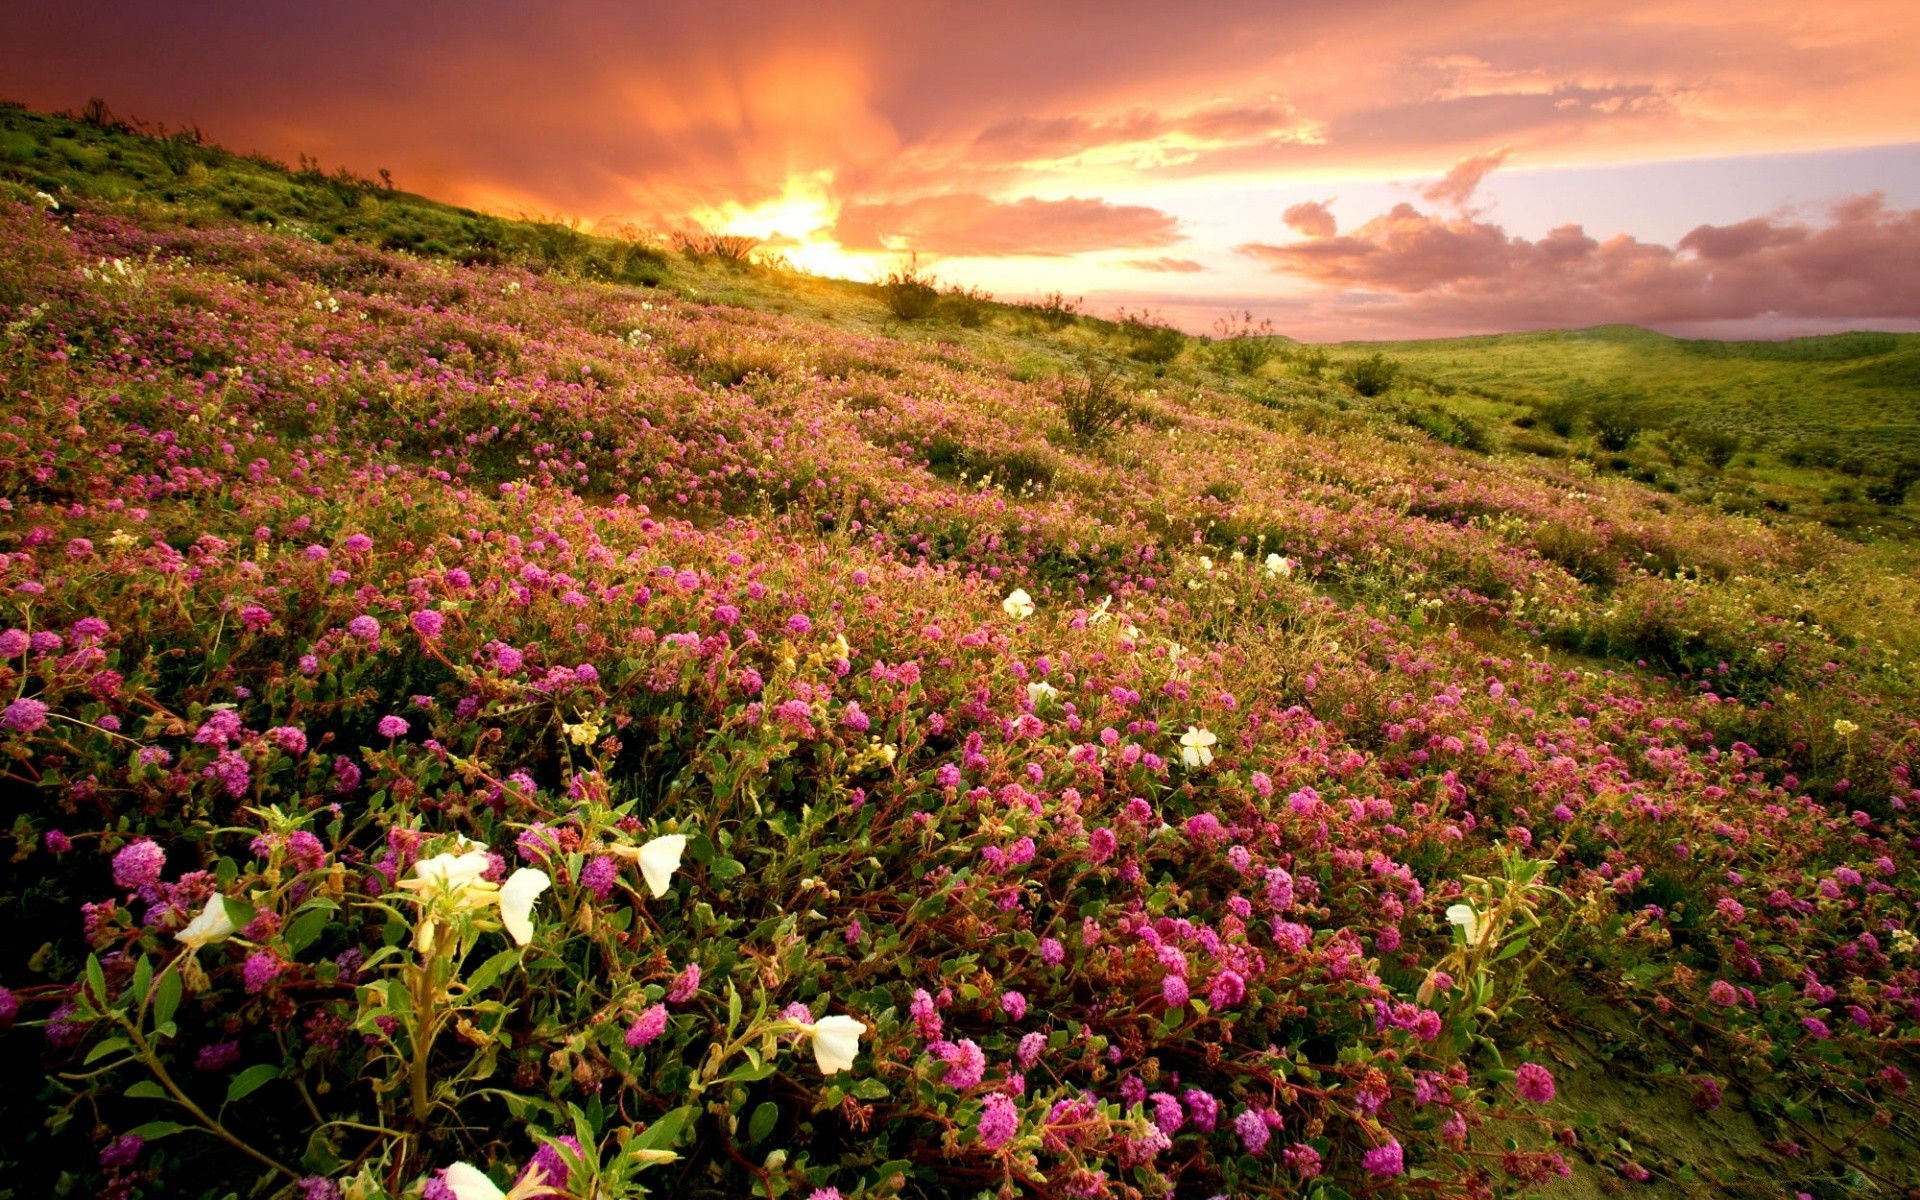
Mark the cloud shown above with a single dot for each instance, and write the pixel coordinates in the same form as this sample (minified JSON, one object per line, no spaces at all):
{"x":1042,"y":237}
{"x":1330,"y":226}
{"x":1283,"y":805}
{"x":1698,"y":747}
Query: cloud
{"x":975,"y":226}
{"x":1165,"y":264}
{"x":1311,"y":218}
{"x":1458,"y":185}
{"x":1432,"y":272}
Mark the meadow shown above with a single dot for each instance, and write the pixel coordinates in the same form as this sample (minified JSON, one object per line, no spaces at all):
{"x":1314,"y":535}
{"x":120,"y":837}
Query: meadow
{"x":481,"y":722}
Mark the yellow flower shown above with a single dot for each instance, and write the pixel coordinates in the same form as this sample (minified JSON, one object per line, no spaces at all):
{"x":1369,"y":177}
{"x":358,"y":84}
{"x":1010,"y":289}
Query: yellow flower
{"x":1845,"y":728}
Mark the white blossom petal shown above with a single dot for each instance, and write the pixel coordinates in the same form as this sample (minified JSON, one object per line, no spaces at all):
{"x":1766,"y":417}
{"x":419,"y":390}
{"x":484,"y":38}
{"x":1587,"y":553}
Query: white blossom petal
{"x":1018,"y":604}
{"x":836,"y":1043}
{"x":517,"y":895}
{"x":1469,"y":920}
{"x":659,"y":859}
{"x":214,"y":924}
{"x":468,"y":1182}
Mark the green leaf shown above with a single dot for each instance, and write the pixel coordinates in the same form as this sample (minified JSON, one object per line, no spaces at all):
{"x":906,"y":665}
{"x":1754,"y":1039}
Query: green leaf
{"x":869,"y":1089}
{"x":110,"y":1046}
{"x":166,"y":997}
{"x":765,"y":1115}
{"x":1512,"y":948}
{"x":306,"y":929}
{"x":153,"y":1131}
{"x":251,"y":1080}
{"x":146,"y":1089}
{"x":727,"y":868}
{"x":96,"y":981}
{"x":748,"y":1074}
{"x":142,"y":979}
{"x":489,"y":971}
{"x":662,"y":1133}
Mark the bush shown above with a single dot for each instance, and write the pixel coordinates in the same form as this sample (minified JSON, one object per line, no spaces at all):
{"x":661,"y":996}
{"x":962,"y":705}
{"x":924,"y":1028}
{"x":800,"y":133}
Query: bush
{"x":1617,"y":422}
{"x":1149,"y":338}
{"x":1372,"y":375}
{"x":1095,"y":404}
{"x":1245,"y":346}
{"x":1054,"y":309}
{"x":1714,"y":447}
{"x":909,"y":292}
{"x":966,"y":307}
{"x":728,"y":249}
{"x":1312,"y":360}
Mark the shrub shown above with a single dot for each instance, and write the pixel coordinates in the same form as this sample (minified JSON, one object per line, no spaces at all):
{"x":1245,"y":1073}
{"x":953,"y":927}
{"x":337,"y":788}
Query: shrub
{"x":1372,"y":375}
{"x":1617,"y":422}
{"x":1149,"y":338}
{"x":729,"y":249}
{"x":1312,"y":360}
{"x":966,"y":307}
{"x":1245,"y":346}
{"x":910,"y":292}
{"x":1095,"y":404}
{"x":1054,"y":309}
{"x":1714,"y":447}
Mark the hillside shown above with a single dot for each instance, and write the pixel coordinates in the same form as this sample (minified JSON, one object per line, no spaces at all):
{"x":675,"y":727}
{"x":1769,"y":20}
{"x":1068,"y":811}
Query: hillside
{"x":981,"y":754}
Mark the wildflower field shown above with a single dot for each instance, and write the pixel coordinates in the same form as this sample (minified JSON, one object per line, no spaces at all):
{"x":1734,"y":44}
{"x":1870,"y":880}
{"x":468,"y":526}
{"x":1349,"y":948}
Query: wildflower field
{"x":472,"y":730}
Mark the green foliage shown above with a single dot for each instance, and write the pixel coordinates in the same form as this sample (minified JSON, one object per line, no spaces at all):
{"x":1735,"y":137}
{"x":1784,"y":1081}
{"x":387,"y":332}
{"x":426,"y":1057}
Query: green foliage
{"x":1245,"y":346}
{"x":1149,"y":338}
{"x":909,"y":291}
{"x":1372,"y":375}
{"x":1095,"y":402}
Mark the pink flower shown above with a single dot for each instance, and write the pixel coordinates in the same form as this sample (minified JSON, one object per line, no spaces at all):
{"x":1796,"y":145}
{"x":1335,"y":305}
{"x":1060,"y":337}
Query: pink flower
{"x":999,"y":1121}
{"x":1385,"y":1161}
{"x":1534,"y":1083}
{"x":647,"y":1026}
{"x":25,"y":715}
{"x":138,"y":865}
{"x":393,"y":727}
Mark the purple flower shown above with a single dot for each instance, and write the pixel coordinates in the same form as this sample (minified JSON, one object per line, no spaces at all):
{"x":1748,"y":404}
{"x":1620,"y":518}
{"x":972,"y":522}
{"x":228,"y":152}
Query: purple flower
{"x":799,"y":623}
{"x":221,"y":727}
{"x":1203,"y":1109}
{"x":1302,"y":1158}
{"x":1385,"y":1161}
{"x":1534,"y":1083}
{"x":56,"y":842}
{"x":1173,"y":990}
{"x":1253,"y":1132}
{"x":393,"y":727}
{"x":289,"y":739}
{"x":315,"y":1188}
{"x":1816,"y":1028}
{"x":599,"y":874}
{"x":24,"y":715}
{"x":1032,"y":1046}
{"x":1014,"y":1005}
{"x":217,"y":1057}
{"x":999,"y":1121}
{"x":551,"y":1165}
{"x":138,"y":865}
{"x":1167,"y":1113}
{"x":1052,"y":952}
{"x":9,"y":1006}
{"x":647,"y":1026}
{"x":685,"y":985}
{"x":123,"y":1151}
{"x":365,"y":628}
{"x":966,"y":1063}
{"x":261,"y":969}
{"x":428,"y":623}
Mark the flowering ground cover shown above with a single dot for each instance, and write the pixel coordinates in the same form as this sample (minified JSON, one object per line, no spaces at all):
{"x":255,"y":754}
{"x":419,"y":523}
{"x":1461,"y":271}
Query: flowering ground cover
{"x":470,"y":731}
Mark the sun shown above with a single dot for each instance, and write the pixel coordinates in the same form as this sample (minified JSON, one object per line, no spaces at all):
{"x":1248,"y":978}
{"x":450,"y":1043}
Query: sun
{"x":798,"y":223}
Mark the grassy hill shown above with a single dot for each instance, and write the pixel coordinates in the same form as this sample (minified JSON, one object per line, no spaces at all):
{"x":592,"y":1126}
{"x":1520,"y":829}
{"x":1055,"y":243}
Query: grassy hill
{"x":488,"y":706}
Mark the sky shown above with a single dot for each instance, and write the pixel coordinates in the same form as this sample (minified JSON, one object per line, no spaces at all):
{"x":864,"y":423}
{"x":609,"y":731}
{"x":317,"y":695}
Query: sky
{"x":1367,"y":169}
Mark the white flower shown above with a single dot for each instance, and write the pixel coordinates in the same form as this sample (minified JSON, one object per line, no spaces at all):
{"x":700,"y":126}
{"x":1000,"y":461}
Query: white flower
{"x":1279,"y":566}
{"x":214,"y":924}
{"x":457,"y":875}
{"x":46,"y":199}
{"x":1101,"y":614}
{"x":1018,"y":604}
{"x":659,"y":859}
{"x":1206,"y":564}
{"x":836,"y":1042}
{"x":468,"y":1182}
{"x":1468,"y":920}
{"x":517,"y":895}
{"x":1195,"y":748}
{"x":1040,"y":691}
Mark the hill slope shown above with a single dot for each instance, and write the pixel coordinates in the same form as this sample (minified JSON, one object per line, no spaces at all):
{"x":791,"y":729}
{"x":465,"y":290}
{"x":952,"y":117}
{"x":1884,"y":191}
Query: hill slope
{"x":1262,"y":797}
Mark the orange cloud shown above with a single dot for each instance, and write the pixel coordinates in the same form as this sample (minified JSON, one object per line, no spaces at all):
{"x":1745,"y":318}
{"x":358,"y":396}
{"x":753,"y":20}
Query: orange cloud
{"x":1458,"y":185}
{"x":1420,"y":271}
{"x":1165,"y":265}
{"x":977,"y":226}
{"x":1311,"y":218}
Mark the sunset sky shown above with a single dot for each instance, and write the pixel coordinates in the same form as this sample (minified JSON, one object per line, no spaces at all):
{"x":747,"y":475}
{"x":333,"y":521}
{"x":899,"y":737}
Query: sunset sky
{"x":1374,"y":168}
